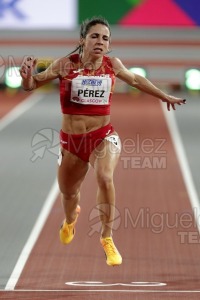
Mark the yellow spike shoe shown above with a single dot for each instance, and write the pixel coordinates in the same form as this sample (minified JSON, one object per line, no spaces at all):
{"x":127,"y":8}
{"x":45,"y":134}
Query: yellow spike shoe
{"x":113,"y":257}
{"x":67,"y":231}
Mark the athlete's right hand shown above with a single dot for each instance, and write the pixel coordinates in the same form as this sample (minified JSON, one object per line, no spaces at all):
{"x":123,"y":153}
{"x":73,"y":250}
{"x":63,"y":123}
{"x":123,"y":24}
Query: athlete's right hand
{"x":27,"y":67}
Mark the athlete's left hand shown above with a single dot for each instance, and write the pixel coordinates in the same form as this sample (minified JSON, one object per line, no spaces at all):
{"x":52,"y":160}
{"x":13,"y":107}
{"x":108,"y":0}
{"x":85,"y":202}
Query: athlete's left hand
{"x":171,"y":101}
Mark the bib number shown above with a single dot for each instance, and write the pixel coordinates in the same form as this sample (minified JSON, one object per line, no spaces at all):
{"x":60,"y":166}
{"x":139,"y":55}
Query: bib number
{"x":91,"y":90}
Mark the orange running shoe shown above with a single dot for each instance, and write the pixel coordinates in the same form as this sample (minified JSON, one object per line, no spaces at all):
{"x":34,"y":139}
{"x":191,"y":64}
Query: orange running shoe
{"x":67,"y":231}
{"x":113,"y":257}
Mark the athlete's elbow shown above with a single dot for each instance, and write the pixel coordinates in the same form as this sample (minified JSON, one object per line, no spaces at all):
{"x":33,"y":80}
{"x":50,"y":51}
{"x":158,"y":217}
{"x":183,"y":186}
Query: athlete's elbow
{"x":135,"y":83}
{"x":138,"y":82}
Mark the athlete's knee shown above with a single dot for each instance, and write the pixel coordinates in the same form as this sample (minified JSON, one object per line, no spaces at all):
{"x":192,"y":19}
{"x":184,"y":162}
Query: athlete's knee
{"x":104,"y":179}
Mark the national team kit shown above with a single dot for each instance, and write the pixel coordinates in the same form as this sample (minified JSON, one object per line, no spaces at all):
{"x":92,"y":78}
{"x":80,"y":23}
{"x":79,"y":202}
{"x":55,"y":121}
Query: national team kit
{"x":84,"y":94}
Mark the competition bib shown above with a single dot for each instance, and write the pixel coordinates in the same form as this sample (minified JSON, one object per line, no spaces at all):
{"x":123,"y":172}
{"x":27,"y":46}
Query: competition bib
{"x":93,"y":90}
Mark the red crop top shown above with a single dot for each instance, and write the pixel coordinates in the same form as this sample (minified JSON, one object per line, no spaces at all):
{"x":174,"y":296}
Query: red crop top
{"x":86,"y":92}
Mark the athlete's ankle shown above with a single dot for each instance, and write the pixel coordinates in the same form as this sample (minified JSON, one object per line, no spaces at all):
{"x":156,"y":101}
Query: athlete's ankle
{"x":71,"y":218}
{"x":106,"y":234}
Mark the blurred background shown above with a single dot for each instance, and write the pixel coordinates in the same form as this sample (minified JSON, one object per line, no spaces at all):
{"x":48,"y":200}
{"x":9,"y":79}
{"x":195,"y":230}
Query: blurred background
{"x":162,"y":37}
{"x":159,"y":39}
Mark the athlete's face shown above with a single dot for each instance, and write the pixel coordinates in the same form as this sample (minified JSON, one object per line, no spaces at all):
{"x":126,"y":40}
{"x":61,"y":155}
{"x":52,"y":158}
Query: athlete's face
{"x":97,"y":40}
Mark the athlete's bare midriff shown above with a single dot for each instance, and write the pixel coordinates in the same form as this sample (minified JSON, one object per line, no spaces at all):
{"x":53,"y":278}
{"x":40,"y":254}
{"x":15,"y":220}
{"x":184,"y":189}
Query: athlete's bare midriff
{"x":78,"y":124}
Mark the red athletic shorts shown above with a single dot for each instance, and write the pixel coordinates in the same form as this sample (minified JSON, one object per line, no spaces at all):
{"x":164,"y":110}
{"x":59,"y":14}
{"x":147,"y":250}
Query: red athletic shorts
{"x":82,"y":145}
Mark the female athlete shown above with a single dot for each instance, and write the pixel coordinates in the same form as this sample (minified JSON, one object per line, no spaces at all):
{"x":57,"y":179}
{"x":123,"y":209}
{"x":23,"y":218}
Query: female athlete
{"x":87,"y":78}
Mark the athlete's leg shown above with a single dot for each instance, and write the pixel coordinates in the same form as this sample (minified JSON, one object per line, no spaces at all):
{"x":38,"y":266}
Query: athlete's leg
{"x":71,"y":173}
{"x":104,"y":160}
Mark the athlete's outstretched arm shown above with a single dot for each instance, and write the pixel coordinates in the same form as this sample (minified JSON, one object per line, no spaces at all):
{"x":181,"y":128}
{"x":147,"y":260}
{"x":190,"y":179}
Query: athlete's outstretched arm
{"x":144,"y":84}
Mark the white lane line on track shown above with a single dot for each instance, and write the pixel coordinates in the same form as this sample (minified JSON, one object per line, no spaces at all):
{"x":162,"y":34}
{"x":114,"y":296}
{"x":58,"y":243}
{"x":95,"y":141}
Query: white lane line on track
{"x":33,"y":237}
{"x":183,"y":162}
{"x":102,"y":291}
{"x":21,"y":108}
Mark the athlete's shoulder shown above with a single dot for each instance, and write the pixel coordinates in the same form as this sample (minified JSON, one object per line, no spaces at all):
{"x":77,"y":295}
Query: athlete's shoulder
{"x":117,"y":64}
{"x":115,"y":61}
{"x":112,"y":62}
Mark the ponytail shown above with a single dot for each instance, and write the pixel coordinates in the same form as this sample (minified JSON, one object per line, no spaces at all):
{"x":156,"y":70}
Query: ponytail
{"x":79,"y":48}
